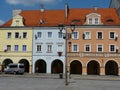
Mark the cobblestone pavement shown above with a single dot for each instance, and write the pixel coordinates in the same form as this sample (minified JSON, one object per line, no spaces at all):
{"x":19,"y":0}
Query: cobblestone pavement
{"x":53,"y":82}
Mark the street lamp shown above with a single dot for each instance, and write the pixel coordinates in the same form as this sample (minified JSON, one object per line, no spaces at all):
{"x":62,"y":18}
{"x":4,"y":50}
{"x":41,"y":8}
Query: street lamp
{"x":66,"y":36}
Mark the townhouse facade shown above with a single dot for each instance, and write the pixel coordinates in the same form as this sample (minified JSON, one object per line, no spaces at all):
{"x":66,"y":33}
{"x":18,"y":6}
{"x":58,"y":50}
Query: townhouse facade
{"x":93,"y":48}
{"x":48,"y":50}
{"x":16,"y":43}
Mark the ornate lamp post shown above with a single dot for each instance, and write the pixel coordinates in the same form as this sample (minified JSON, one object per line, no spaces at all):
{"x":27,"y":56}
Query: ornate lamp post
{"x":66,"y":36}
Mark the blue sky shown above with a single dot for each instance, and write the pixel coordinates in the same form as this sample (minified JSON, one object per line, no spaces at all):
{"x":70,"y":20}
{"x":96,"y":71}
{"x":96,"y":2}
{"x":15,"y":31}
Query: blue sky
{"x":6,"y":6}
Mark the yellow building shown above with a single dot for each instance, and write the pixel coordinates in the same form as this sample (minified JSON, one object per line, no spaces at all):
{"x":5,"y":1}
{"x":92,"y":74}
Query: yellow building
{"x":16,"y":43}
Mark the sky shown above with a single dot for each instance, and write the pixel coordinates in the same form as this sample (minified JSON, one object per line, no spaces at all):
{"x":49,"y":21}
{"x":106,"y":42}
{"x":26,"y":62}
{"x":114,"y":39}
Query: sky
{"x":6,"y":6}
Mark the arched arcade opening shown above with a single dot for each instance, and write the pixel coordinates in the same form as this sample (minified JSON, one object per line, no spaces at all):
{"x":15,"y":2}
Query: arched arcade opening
{"x":57,"y":67}
{"x":93,"y":68}
{"x":111,"y":68}
{"x":75,"y":67}
{"x":5,"y":63}
{"x":26,"y":64}
{"x":40,"y":66}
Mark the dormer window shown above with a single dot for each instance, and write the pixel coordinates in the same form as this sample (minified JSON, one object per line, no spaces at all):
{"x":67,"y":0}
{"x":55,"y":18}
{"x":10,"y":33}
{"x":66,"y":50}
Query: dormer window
{"x":17,"y":22}
{"x":93,"y":19}
{"x":90,"y":20}
{"x":96,"y":21}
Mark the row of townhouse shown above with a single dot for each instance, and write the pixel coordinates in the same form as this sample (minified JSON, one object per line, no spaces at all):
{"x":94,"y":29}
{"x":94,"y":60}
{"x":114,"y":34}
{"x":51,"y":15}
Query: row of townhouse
{"x":33,"y":37}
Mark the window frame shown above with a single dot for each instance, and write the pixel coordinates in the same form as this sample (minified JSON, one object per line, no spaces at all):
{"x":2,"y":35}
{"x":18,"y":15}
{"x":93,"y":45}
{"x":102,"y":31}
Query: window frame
{"x":73,"y":48}
{"x":87,"y":37}
{"x":101,"y":47}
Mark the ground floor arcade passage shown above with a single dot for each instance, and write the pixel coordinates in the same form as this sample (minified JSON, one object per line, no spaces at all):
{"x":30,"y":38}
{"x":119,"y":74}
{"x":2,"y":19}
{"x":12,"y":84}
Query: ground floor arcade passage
{"x":93,"y":67}
{"x":23,"y":61}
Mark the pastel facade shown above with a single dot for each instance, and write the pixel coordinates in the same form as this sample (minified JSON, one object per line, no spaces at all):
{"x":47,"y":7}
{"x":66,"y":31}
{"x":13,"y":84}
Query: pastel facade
{"x":47,"y":44}
{"x":16,"y":47}
{"x":92,"y":50}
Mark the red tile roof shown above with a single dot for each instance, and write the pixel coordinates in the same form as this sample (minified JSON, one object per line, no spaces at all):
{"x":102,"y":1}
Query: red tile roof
{"x":109,"y":16}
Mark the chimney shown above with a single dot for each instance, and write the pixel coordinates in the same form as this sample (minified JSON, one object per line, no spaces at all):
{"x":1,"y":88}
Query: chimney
{"x":42,"y":9}
{"x":95,"y":9}
{"x":66,"y":10}
{"x":16,"y":12}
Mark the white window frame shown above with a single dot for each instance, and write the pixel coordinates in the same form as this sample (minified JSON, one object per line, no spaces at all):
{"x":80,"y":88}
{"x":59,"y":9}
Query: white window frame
{"x":49,"y":48}
{"x":50,"y":36}
{"x":97,"y":21}
{"x":60,"y":35}
{"x":73,"y":47}
{"x":110,"y":35}
{"x":60,"y":48}
{"x":97,"y":35}
{"x":85,"y":47}
{"x":98,"y":47}
{"x":110,"y":48}
{"x":38,"y":50}
{"x":39,"y":35}
{"x":90,"y":21}
{"x":77,"y":35}
{"x":85,"y":35}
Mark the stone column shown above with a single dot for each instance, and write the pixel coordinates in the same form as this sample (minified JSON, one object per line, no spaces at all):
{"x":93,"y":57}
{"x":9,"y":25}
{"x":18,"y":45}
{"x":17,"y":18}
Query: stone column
{"x":30,"y":69}
{"x":84,"y":70}
{"x":102,"y":70}
{"x":119,"y":71}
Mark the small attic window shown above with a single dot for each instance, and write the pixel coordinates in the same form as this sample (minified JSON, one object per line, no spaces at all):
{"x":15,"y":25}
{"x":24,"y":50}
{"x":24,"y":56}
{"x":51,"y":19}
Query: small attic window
{"x":109,"y":20}
{"x":17,"y":22}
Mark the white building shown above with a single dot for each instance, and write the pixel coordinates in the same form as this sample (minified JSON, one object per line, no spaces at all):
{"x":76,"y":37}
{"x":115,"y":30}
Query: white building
{"x":48,"y":44}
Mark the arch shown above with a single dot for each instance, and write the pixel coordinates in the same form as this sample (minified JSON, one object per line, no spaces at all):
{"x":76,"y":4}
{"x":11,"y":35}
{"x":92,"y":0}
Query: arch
{"x":26,"y":64}
{"x":93,"y":68}
{"x":40,"y":66}
{"x":75,"y":67}
{"x":5,"y":63}
{"x":57,"y":67}
{"x":111,"y":68}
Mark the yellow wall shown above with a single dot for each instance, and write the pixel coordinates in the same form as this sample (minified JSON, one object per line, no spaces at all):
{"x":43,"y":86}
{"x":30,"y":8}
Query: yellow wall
{"x":16,"y":56}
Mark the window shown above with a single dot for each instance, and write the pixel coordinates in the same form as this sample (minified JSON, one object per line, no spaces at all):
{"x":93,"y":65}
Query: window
{"x":17,"y":22}
{"x":112,"y":48}
{"x":90,"y":20}
{"x":24,"y":34}
{"x":75,"y":35}
{"x":16,"y":47}
{"x":99,"y":35}
{"x":87,"y":48}
{"x":87,"y":35}
{"x":75,"y":48}
{"x":96,"y":21}
{"x":49,"y":34}
{"x":24,"y":48}
{"x":60,"y":35}
{"x":39,"y":48}
{"x":16,"y":34}
{"x":49,"y":48}
{"x":112,"y":35}
{"x":9,"y":35}
{"x":8,"y":47}
{"x":39,"y":34}
{"x":60,"y":48}
{"x":100,"y":48}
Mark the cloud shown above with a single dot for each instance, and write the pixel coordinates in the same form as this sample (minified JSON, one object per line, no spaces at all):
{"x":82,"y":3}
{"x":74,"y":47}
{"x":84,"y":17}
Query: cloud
{"x":31,"y":2}
{"x":1,"y":22}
